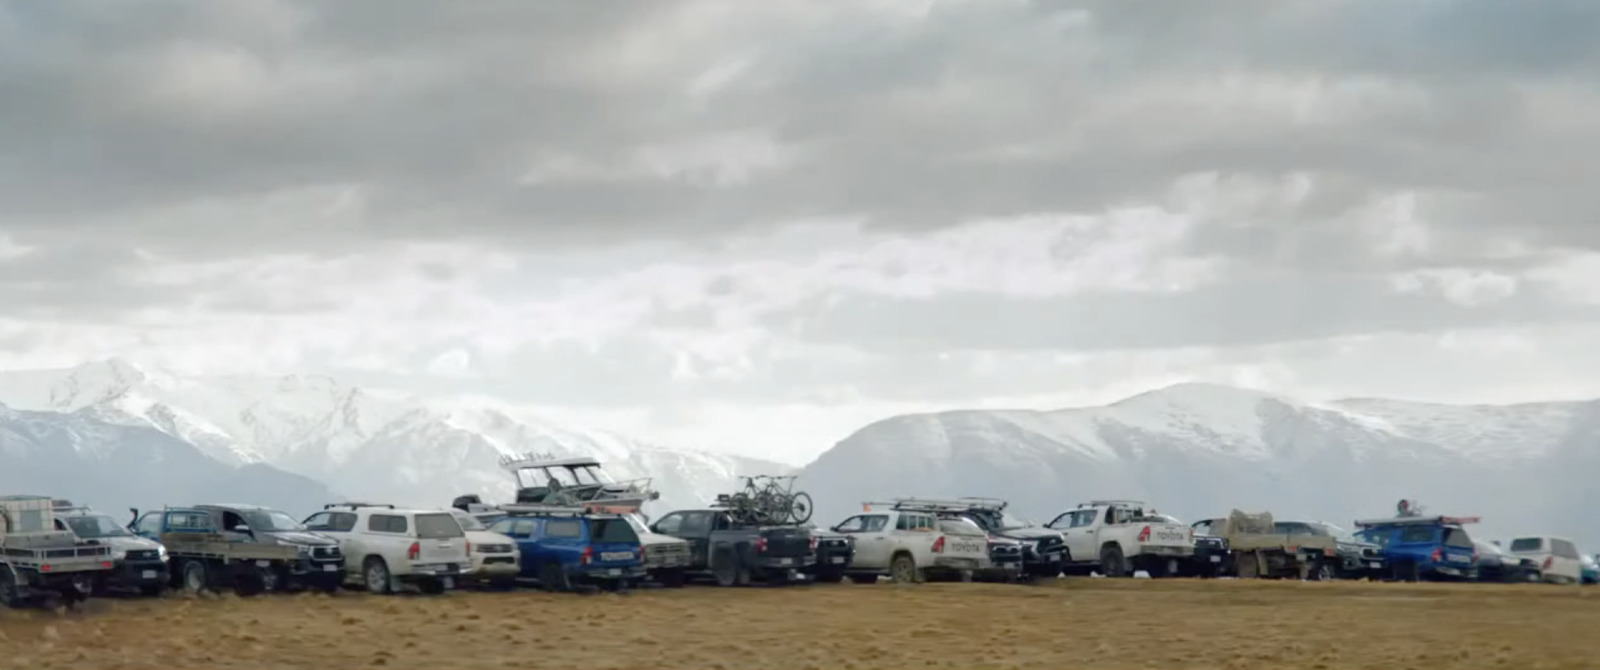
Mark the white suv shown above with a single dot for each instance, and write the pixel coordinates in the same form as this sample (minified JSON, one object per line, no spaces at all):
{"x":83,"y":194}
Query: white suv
{"x":495,"y":558}
{"x":388,"y":548}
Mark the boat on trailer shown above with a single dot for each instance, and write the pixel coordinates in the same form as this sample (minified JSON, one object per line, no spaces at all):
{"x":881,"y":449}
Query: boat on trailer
{"x":576,"y":481}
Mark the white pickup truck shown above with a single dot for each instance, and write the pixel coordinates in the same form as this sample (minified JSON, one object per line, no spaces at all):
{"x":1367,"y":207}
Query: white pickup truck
{"x":1117,"y":537}
{"x":910,"y":547}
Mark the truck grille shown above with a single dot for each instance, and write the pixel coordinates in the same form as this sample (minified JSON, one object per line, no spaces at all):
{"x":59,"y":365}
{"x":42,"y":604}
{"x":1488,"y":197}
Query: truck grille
{"x":325,"y":552}
{"x":143,"y":555}
{"x":494,"y":548}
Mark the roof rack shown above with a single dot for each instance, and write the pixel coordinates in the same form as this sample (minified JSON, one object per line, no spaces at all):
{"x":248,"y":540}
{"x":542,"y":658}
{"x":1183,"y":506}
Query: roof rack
{"x":549,"y":510}
{"x":357,"y":505}
{"x":1417,"y":521}
{"x":941,"y":505}
{"x":1099,"y":503}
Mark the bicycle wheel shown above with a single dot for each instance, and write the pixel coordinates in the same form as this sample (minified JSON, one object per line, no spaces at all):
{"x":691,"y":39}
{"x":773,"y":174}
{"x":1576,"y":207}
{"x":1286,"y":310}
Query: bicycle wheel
{"x":800,"y":507}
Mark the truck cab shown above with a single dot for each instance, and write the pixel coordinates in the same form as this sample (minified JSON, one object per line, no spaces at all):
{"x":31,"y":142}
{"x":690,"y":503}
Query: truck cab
{"x":1417,"y":548}
{"x":1118,"y":537}
{"x":566,"y":548}
{"x":139,"y":563}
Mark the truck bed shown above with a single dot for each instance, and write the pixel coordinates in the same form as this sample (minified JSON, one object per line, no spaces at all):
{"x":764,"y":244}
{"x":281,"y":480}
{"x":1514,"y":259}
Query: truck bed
{"x":213,"y":546}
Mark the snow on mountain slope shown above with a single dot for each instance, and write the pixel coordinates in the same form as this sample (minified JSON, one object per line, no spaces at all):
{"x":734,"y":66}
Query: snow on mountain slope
{"x":366,"y":443}
{"x":1202,"y":449}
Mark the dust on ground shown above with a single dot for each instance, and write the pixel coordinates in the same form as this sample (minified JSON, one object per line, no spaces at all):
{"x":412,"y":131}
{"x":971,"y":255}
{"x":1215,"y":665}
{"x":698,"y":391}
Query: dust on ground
{"x":1079,"y":623}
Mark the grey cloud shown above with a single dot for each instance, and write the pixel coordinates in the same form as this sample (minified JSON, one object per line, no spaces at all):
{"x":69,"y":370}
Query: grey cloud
{"x":84,"y":281}
{"x":450,"y":106}
{"x":1244,"y":313}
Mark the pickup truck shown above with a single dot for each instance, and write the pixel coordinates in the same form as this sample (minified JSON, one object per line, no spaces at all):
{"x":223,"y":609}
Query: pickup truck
{"x":835,"y":553}
{"x":1043,"y":550}
{"x":666,"y":558}
{"x":204,"y":558}
{"x":1118,"y":537}
{"x":139,"y":564}
{"x":572,"y":548}
{"x":735,"y":554}
{"x":40,"y":565}
{"x":910,"y":546}
{"x":1262,"y":548}
{"x":1417,"y":548}
{"x":1356,"y":558}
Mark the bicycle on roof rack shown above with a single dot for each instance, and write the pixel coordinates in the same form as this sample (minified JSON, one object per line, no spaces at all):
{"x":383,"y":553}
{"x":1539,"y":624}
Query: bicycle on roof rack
{"x":768,"y":499}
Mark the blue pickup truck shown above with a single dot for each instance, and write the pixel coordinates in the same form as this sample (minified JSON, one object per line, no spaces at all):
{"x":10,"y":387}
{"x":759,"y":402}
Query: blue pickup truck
{"x":1418,"y":548}
{"x":567,"y":548}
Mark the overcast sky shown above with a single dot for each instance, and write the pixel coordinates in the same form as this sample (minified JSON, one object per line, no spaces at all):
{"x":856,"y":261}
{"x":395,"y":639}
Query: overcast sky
{"x":756,"y":226}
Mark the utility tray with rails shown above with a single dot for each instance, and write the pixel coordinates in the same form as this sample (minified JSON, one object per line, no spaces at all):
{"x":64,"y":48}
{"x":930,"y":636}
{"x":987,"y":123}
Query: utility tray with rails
{"x":1260,"y":551}
{"x":40,"y":565}
{"x":203,"y":558}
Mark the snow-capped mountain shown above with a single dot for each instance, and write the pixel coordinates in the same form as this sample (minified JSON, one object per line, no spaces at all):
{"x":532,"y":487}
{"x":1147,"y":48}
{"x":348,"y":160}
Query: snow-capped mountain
{"x":1199,"y":450}
{"x":363,"y":443}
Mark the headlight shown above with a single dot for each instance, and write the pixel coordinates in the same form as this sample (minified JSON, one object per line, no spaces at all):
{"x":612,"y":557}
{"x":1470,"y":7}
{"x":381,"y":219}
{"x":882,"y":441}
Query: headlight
{"x":161,"y":550}
{"x":118,"y":554}
{"x":304,"y":549}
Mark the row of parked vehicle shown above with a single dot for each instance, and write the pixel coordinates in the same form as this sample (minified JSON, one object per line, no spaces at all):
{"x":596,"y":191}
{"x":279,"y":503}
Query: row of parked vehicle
{"x":53,"y":550}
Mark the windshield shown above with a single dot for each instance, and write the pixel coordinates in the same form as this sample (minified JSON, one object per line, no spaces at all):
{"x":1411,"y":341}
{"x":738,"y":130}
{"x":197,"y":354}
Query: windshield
{"x":469,"y":522}
{"x":270,"y":520}
{"x":1338,"y":532}
{"x":87,"y":527}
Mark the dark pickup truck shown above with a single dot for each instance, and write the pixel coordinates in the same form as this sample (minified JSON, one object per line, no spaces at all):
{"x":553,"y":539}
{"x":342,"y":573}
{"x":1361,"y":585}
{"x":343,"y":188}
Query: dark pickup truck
{"x":735,"y":554}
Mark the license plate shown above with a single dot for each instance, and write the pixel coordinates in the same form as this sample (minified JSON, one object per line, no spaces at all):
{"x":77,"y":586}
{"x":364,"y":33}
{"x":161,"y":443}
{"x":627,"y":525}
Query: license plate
{"x":263,"y":564}
{"x":149,"y":574}
{"x":449,"y":582}
{"x":785,"y":561}
{"x":1374,"y":564}
{"x":1216,"y":559}
{"x":615,"y":555}
{"x":838,"y":560}
{"x":614,"y":572}
{"x":330,"y":568}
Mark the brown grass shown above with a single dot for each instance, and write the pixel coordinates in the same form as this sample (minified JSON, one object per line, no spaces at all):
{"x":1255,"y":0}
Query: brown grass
{"x":1080,"y":623}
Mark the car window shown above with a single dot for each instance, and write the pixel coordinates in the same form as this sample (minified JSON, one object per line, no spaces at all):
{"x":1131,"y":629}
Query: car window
{"x":1564,"y":549}
{"x":1202,"y":527}
{"x":1457,"y":537}
{"x":1526,"y":544}
{"x":468,"y":522}
{"x":189,"y":521}
{"x":865,"y":523}
{"x":1063,"y":521}
{"x":387,"y":523}
{"x":563,"y":528}
{"x":612,"y":530}
{"x":330,"y":522}
{"x":1417,"y":534}
{"x":150,"y":523}
{"x":91,"y":526}
{"x":960,"y":527}
{"x":670,"y":524}
{"x":438,"y":525}
{"x":1378,"y":536}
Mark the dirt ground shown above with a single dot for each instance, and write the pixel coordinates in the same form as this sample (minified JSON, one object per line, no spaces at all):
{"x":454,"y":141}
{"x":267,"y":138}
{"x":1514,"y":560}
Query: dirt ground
{"x":1080,"y":623}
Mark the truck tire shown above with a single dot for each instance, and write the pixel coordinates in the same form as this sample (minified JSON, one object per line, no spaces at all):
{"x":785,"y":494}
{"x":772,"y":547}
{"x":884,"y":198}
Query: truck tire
{"x":10,"y":593}
{"x":553,"y":577}
{"x":195,"y":575}
{"x":726,"y":569}
{"x":1322,"y":571}
{"x":376,"y":574}
{"x":1245,"y":565}
{"x":1112,"y":563}
{"x":903,"y":570}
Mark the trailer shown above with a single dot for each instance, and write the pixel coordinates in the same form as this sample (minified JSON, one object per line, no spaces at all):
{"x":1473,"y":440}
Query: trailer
{"x":41,"y":565}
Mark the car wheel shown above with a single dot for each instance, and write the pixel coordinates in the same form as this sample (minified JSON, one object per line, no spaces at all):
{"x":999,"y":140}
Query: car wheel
{"x":9,"y":593}
{"x":195,"y":578}
{"x":903,"y":570}
{"x":376,"y":573}
{"x":1112,"y":564}
{"x":1322,"y":572}
{"x":725,"y":568}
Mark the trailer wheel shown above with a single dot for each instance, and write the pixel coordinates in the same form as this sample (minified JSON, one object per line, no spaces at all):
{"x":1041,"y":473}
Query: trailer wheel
{"x":9,"y":592}
{"x":194,"y":574}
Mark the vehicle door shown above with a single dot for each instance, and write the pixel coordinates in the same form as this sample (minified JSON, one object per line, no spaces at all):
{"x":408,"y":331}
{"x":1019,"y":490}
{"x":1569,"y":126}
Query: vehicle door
{"x":1567,"y":562}
{"x":917,"y":533}
{"x":564,"y":539}
{"x":340,"y":526}
{"x":965,"y":540}
{"x":440,"y":539}
{"x":523,"y":532}
{"x":233,"y":525}
{"x":149,"y":526}
{"x":1077,"y":530}
{"x":872,"y":542}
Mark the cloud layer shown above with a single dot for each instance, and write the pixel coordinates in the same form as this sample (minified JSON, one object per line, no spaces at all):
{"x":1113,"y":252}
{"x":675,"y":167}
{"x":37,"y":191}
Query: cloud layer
{"x":701,"y":220}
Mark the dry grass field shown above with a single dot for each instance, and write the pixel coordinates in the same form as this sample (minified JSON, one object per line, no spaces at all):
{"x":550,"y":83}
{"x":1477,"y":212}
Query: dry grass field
{"x":1079,"y":623}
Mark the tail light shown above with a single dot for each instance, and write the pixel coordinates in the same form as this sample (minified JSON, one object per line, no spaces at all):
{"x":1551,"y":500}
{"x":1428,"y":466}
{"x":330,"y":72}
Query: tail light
{"x":1549,"y":561}
{"x":588,"y":556}
{"x":414,"y":552}
{"x":813,"y":543}
{"x":1144,"y":535}
{"x":1438,"y":554}
{"x":938,"y":545}
{"x":761,"y":545}
{"x":105,"y":564}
